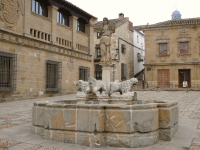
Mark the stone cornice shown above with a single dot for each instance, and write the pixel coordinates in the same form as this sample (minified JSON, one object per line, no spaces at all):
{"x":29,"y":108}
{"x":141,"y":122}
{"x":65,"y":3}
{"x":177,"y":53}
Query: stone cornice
{"x":18,"y":39}
{"x":171,"y":64}
{"x":186,"y":23}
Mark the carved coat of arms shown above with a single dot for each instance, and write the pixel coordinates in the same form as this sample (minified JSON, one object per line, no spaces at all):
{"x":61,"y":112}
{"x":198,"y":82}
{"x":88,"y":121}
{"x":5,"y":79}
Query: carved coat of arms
{"x":10,"y":11}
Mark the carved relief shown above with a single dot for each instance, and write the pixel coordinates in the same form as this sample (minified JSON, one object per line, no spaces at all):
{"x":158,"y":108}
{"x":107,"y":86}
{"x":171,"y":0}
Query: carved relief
{"x":162,"y":59}
{"x":183,"y":33}
{"x":173,"y":60}
{"x":194,"y":49}
{"x":162,"y":36}
{"x":10,"y":11}
{"x":152,"y":61}
{"x":70,"y":64}
{"x":184,"y":58}
{"x":195,"y":60}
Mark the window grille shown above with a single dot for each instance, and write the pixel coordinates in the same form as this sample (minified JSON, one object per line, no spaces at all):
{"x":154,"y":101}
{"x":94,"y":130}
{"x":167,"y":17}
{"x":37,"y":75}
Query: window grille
{"x":8,"y":71}
{"x":84,"y":73}
{"x":53,"y":76}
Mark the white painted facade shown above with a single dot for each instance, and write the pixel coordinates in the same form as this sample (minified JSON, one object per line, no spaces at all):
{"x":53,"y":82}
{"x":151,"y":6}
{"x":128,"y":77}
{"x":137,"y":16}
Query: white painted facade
{"x":138,"y":41}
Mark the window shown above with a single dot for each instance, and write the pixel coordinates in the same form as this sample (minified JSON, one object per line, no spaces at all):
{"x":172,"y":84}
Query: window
{"x":98,"y":52}
{"x":163,"y":48}
{"x":123,"y":47}
{"x":39,"y":7}
{"x":183,"y":47}
{"x":8,"y":71}
{"x":63,"y":17}
{"x":98,"y":72}
{"x":98,"y":35}
{"x":81,"y":25}
{"x":53,"y":75}
{"x":137,"y":39}
{"x":84,"y":73}
{"x":123,"y":72}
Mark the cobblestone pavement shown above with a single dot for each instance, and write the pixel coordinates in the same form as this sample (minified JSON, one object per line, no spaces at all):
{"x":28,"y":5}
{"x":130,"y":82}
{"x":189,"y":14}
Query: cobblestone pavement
{"x":15,"y":124}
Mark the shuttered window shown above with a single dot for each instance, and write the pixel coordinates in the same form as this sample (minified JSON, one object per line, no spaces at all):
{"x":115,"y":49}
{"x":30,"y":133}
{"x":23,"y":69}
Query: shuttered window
{"x":84,"y":73}
{"x":123,"y":72}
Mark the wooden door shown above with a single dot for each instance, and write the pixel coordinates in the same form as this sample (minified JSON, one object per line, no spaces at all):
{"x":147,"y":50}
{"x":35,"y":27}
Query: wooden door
{"x":163,"y":78}
{"x":184,"y":75}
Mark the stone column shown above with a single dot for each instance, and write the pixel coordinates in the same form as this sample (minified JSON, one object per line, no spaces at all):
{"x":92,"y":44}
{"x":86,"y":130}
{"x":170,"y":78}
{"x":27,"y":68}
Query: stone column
{"x":72,"y":24}
{"x":53,"y":15}
{"x":106,"y":75}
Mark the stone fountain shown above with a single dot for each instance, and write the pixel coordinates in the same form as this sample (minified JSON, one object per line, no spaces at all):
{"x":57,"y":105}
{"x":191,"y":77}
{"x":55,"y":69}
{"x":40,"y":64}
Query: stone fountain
{"x":106,"y":114}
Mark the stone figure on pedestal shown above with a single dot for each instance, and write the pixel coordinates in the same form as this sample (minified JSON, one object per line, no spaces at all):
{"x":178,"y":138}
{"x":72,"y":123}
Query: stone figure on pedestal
{"x":105,"y":41}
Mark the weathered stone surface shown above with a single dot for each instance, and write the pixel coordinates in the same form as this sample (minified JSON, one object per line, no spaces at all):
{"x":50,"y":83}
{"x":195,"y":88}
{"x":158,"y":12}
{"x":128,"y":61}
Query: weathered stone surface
{"x":38,"y":130}
{"x":145,"y":120}
{"x":40,"y":114}
{"x":70,"y":137}
{"x":56,"y":119}
{"x":168,"y":117}
{"x":97,"y":140}
{"x":97,"y":120}
{"x":144,"y":139}
{"x":118,"y":140}
{"x":168,"y":134}
{"x":118,"y":120}
{"x":57,"y":136}
{"x":70,"y":119}
{"x":83,"y":138}
{"x":34,"y":115}
{"x":83,"y":119}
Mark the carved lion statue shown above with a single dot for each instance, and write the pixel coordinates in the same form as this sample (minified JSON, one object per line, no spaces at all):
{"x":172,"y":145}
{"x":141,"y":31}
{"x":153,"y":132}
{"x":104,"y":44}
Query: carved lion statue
{"x":96,"y":85}
{"x":83,"y":86}
{"x":123,"y":87}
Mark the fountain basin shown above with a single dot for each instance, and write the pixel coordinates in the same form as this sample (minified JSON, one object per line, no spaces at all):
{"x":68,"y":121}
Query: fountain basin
{"x":99,"y":125}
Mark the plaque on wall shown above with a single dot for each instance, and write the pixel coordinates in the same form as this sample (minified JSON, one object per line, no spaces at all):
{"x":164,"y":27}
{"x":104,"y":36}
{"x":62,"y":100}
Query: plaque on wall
{"x":148,"y":68}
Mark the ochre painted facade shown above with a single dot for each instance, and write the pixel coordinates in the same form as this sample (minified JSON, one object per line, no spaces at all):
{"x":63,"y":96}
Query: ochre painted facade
{"x":179,"y":65}
{"x":22,"y":35}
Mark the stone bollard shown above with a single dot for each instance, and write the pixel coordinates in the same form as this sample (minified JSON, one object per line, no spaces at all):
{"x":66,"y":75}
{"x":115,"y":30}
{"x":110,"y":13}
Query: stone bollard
{"x":157,"y":88}
{"x":187,"y":89}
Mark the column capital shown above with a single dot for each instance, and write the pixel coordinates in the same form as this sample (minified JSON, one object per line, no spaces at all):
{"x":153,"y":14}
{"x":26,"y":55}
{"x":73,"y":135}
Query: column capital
{"x":53,"y":7}
{"x":73,"y":17}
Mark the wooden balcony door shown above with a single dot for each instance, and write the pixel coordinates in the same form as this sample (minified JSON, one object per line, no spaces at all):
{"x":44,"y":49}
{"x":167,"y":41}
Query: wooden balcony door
{"x":184,"y":75}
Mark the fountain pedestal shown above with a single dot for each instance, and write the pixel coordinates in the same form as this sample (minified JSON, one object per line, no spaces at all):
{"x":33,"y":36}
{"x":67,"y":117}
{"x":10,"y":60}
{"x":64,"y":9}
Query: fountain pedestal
{"x":106,"y":74}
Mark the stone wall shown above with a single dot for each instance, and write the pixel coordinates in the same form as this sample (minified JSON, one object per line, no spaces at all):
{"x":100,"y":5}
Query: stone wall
{"x":24,"y":38}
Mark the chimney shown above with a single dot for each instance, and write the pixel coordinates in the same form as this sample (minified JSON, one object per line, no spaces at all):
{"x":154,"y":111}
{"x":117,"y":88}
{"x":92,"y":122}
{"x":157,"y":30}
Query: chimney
{"x":121,"y":16}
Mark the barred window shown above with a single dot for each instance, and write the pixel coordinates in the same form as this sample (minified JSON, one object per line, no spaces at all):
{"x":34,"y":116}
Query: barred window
{"x":84,"y":73}
{"x":123,"y":72}
{"x":8,"y":71}
{"x":123,"y":47}
{"x":53,"y":75}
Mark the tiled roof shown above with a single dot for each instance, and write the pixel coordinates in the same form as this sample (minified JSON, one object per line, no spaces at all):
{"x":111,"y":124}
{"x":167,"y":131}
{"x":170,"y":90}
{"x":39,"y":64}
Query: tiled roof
{"x":112,"y":22}
{"x":169,"y":23}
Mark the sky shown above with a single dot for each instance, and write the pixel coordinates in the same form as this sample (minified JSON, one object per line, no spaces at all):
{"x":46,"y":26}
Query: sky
{"x":140,"y":12}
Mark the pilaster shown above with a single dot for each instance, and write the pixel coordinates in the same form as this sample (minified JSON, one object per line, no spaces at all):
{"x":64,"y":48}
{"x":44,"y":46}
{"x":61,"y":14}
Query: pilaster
{"x":53,"y":16}
{"x":90,"y":31}
{"x":27,"y":16}
{"x":72,"y":24}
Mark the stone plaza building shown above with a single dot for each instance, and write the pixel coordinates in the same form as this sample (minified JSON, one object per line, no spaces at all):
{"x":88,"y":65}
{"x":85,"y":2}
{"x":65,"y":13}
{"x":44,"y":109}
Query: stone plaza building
{"x":122,"y":49}
{"x":46,"y":46}
{"x":172,"y":50}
